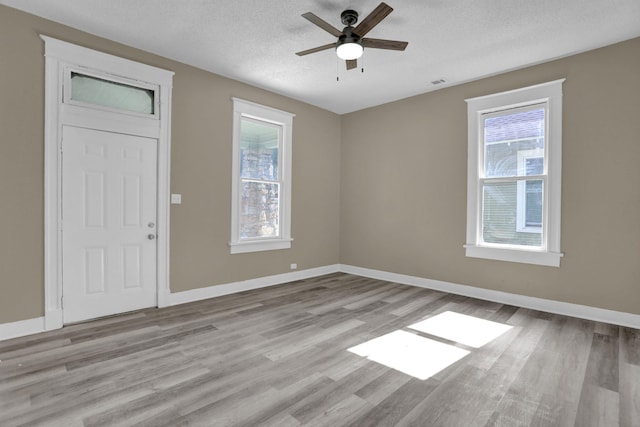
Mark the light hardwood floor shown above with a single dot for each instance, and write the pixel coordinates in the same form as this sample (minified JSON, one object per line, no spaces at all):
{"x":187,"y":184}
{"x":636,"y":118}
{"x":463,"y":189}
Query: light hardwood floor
{"x":278,"y":357}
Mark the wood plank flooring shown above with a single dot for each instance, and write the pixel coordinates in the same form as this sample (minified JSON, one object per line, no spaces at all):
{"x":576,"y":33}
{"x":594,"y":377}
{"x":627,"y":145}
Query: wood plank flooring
{"x":278,"y":357}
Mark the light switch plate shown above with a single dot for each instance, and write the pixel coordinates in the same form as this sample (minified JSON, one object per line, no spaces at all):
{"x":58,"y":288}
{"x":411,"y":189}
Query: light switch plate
{"x":176,"y":199}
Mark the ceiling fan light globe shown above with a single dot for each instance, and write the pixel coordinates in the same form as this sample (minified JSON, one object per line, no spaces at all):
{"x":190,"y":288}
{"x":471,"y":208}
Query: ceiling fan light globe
{"x":348,"y":51}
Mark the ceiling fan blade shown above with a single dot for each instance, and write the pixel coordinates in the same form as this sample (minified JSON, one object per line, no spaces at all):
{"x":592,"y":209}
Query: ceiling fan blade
{"x":322,"y":24}
{"x":373,"y":19}
{"x":351,"y":64}
{"x":384,"y":44}
{"x":316,"y":49}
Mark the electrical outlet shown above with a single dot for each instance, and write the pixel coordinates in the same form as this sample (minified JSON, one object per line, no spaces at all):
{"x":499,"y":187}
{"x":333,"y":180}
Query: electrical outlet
{"x":294,"y":266}
{"x":176,"y":199}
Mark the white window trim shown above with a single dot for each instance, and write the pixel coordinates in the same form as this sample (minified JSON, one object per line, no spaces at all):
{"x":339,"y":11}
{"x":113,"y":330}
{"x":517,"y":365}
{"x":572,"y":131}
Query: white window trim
{"x":521,"y":197}
{"x":549,"y":254}
{"x":242,"y":108}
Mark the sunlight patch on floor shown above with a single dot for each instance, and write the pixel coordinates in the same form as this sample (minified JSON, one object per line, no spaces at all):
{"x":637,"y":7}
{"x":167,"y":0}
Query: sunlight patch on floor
{"x":410,"y":353}
{"x":422,"y":357}
{"x":468,"y":330}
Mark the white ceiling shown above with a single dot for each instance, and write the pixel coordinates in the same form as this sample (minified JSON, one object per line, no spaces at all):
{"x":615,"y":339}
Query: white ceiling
{"x":255,"y":41}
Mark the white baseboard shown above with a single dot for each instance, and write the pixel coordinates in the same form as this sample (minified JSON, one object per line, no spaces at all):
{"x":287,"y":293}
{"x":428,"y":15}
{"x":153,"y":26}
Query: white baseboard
{"x":21,"y":328}
{"x":549,"y":306}
{"x":246,"y":285}
{"x":53,"y":319}
{"x":34,"y":326}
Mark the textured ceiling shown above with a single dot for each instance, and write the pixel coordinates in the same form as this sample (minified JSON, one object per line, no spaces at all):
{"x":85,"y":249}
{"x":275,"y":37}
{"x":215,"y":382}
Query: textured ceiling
{"x":255,"y":41}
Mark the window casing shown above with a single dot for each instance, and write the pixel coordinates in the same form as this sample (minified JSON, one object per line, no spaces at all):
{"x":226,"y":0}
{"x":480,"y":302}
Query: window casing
{"x":514,"y":175}
{"x":261,"y":192}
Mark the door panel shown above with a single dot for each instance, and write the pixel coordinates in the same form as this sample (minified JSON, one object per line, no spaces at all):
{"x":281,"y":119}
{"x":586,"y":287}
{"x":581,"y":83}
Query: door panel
{"x":109,"y":215}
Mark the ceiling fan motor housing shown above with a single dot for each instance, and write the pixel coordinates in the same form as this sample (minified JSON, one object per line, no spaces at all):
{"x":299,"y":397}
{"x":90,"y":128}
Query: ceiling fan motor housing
{"x":348,"y":37}
{"x":349,"y":18}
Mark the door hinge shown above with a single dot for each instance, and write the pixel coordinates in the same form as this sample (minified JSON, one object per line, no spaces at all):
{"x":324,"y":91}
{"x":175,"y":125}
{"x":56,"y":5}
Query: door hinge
{"x":62,"y":303}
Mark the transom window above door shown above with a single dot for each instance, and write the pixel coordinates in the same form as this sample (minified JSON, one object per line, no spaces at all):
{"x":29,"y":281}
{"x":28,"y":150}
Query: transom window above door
{"x":110,"y":93}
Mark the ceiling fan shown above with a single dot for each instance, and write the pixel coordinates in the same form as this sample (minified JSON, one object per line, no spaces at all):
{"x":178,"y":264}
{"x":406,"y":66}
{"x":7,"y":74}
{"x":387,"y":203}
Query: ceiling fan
{"x":351,"y":41}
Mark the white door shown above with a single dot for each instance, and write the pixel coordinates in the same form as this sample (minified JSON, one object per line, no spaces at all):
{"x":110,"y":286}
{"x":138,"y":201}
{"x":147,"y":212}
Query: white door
{"x":109,"y":193}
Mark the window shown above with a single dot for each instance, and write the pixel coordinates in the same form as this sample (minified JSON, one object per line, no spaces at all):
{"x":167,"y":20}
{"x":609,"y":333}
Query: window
{"x":111,"y":94}
{"x":261,"y":194}
{"x":514,"y":173}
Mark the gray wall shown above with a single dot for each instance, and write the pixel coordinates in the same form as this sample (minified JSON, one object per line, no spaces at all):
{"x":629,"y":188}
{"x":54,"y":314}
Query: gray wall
{"x":383,"y":188}
{"x":404,"y":172}
{"x":200,"y":171}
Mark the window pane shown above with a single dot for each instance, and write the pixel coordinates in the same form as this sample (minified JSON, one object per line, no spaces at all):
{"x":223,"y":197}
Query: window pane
{"x":533,"y":209}
{"x":534,"y":166}
{"x":259,"y":210}
{"x":93,"y":90}
{"x":499,"y":215}
{"x":259,"y":143}
{"x":508,"y":134}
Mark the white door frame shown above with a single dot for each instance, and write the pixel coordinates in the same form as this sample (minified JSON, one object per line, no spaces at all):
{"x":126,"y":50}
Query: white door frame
{"x":59,"y":56}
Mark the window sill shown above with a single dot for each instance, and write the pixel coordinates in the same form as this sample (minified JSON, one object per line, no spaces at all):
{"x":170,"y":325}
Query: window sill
{"x":550,"y":259}
{"x":259,"y":245}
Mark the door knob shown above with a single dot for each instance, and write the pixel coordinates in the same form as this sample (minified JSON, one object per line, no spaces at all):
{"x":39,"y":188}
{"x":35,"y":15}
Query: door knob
{"x":151,"y":236}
